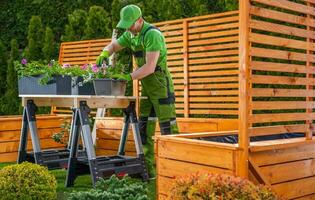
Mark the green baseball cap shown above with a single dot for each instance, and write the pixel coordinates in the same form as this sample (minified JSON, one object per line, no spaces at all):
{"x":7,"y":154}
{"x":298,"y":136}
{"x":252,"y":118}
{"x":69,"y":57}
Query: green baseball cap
{"x":128,"y":15}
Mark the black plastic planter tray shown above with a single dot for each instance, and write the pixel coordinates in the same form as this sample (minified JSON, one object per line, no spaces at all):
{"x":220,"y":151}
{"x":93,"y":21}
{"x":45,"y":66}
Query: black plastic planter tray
{"x":57,"y":85}
{"x":80,"y":88}
{"x":109,"y":87}
{"x":233,"y":139}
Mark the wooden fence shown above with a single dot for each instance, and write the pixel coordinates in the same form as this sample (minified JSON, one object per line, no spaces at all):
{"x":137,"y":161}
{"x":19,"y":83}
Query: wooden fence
{"x":202,"y":57}
{"x":275,"y":96}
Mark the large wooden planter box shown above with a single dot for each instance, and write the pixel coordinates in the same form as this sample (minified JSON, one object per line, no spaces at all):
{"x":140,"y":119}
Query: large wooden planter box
{"x":10,"y":134}
{"x":286,"y":165}
{"x":109,"y":131}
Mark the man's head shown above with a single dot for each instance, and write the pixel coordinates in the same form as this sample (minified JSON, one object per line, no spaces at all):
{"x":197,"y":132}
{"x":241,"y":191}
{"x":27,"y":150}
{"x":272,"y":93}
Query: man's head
{"x":130,"y":18}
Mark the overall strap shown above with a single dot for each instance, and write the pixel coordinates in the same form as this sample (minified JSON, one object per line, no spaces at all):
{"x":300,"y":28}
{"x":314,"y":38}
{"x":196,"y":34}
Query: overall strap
{"x":147,"y":30}
{"x":141,"y":54}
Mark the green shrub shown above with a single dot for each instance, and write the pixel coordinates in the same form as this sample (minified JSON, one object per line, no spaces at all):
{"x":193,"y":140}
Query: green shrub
{"x":74,"y":30}
{"x":27,"y":181}
{"x":49,"y":47}
{"x":218,"y":186}
{"x":35,"y":37}
{"x":97,"y":23}
{"x":114,"y":189}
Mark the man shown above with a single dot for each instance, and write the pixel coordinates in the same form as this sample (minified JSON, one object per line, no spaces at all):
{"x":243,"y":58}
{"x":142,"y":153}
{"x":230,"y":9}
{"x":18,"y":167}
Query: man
{"x":149,"y":49}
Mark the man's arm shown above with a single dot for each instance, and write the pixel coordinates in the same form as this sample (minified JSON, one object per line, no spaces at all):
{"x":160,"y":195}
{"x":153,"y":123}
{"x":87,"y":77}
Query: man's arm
{"x":113,"y":47}
{"x":149,"y":67}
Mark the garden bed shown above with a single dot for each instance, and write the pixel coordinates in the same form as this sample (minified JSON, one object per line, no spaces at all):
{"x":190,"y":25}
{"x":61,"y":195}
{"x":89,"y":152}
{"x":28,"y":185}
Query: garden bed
{"x":284,"y":161}
{"x":10,"y":130}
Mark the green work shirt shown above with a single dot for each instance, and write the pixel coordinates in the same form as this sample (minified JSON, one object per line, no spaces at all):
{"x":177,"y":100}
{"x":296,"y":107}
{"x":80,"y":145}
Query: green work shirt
{"x":152,"y":41}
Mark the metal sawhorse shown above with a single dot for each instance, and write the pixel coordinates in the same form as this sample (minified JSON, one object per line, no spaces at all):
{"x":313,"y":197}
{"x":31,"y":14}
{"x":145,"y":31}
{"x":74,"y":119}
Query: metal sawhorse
{"x":97,"y":166}
{"x":53,"y":159}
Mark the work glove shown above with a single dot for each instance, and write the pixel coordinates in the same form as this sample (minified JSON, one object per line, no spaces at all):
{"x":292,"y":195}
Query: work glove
{"x":100,"y":59}
{"x":126,"y":77}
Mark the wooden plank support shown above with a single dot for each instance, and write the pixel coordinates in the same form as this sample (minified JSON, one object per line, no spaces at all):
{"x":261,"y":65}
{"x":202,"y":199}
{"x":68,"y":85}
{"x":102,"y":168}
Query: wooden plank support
{"x":186,"y":65}
{"x":244,"y":99}
{"x":257,"y":173}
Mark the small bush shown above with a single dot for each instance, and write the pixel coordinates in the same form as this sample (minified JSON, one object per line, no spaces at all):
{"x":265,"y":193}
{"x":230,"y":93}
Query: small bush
{"x":218,"y":186}
{"x":114,"y":189}
{"x":27,"y":181}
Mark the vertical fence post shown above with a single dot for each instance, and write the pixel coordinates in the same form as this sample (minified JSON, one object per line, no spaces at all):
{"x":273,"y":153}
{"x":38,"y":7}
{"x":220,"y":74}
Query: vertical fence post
{"x":309,"y":66}
{"x":244,"y":98}
{"x":136,"y":87}
{"x":186,"y":62}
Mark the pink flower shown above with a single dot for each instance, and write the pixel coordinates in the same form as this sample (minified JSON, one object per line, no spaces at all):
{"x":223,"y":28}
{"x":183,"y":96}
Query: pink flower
{"x":94,"y":68}
{"x":49,"y":64}
{"x":66,"y":65}
{"x":84,"y":67}
{"x":24,"y":61}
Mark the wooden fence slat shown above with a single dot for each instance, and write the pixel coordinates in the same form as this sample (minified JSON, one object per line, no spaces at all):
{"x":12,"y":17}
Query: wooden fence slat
{"x":213,"y":53}
{"x":212,"y":41}
{"x":213,"y":66}
{"x":278,"y":41}
{"x":271,"y":130}
{"x":280,"y":105}
{"x":279,"y":54}
{"x":285,"y":80}
{"x":280,"y":117}
{"x":209,"y":92}
{"x":289,"y":5}
{"x":280,"y":16}
{"x":277,"y":92}
{"x":283,"y":29}
{"x":213,"y":28}
{"x":214,"y":60}
{"x":280,"y":67}
{"x":210,"y":22}
{"x":210,"y":99}
{"x":213,"y":47}
{"x":214,"y":80}
{"x":213,"y":34}
{"x":214,"y":112}
{"x":213,"y":73}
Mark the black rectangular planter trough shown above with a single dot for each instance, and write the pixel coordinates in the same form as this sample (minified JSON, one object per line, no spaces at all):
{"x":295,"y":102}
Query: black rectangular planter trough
{"x":60,"y":85}
{"x":109,"y":87}
{"x":80,"y":88}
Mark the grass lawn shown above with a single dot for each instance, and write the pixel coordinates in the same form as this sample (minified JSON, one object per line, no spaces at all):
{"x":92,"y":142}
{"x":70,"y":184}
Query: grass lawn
{"x":82,"y":183}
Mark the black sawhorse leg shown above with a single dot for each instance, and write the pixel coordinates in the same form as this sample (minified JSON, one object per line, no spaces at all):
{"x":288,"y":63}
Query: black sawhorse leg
{"x":108,"y":165}
{"x":131,"y":117}
{"x":29,"y":122}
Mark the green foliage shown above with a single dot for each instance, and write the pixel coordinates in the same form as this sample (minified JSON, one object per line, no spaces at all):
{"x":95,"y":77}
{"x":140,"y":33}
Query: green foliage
{"x":114,"y":189}
{"x":218,"y":186}
{"x":27,"y":181}
{"x":97,"y":23}
{"x":74,"y":30}
{"x":10,"y":103}
{"x":35,"y":39}
{"x":62,"y":135}
{"x":49,"y":47}
{"x":3,"y":67}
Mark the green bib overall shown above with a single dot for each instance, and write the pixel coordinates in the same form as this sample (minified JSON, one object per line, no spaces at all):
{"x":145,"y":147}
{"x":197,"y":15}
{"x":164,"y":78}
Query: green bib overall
{"x":158,"y":87}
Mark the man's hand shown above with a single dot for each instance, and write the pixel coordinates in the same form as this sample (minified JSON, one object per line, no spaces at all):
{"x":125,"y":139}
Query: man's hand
{"x":126,"y":77}
{"x":102,"y":57}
